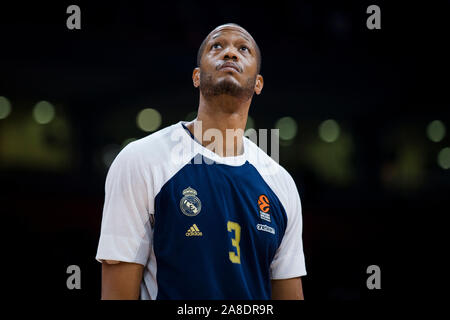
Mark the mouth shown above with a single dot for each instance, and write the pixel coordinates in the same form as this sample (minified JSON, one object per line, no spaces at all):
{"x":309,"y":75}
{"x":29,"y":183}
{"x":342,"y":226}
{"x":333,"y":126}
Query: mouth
{"x":230,"y":66}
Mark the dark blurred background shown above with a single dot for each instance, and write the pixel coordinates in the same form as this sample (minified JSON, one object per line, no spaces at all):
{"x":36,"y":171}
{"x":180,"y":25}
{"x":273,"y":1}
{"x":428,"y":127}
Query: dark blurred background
{"x":363,"y":115}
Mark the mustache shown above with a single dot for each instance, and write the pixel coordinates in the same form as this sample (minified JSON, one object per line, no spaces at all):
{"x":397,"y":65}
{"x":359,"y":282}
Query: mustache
{"x":229,"y":64}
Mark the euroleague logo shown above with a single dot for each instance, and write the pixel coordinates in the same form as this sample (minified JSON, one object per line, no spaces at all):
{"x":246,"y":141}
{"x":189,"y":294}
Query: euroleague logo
{"x":264,"y":207}
{"x":263,"y":203}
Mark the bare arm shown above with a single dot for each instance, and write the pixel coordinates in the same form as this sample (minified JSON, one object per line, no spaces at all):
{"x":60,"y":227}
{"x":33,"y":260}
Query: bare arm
{"x":121,"y":281}
{"x":287,"y":289}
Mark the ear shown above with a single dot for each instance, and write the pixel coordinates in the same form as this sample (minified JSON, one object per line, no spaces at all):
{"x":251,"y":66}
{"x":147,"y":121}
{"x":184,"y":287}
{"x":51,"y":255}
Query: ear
{"x":196,"y":77}
{"x":259,"y":84}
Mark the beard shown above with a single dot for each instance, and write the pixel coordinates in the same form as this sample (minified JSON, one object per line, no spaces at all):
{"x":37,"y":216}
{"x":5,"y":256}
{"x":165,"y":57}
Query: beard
{"x":209,"y":88}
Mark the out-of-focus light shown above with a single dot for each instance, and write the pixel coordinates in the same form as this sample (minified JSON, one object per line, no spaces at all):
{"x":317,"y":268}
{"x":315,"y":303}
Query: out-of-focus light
{"x":288,"y":128}
{"x":191,"y":116}
{"x":444,"y":158}
{"x":329,"y":130}
{"x":43,"y":112}
{"x":148,"y":120}
{"x":250,"y":123}
{"x":333,"y":162}
{"x":109,"y":153}
{"x":436,"y":131}
{"x":286,"y":143}
{"x":127,"y":141}
{"x":5,"y":108}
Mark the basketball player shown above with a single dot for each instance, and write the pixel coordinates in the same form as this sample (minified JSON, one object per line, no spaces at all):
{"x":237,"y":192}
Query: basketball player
{"x":212,"y":223}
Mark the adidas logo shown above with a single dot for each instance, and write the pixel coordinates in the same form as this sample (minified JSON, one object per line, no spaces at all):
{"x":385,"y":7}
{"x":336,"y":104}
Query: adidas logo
{"x":193,"y":231}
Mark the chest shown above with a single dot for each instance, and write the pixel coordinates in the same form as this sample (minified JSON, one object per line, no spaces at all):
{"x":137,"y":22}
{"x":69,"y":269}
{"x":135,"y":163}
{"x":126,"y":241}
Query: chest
{"x":216,"y":207}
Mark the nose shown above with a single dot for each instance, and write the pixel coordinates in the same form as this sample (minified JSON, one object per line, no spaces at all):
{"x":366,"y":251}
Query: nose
{"x":230,"y":53}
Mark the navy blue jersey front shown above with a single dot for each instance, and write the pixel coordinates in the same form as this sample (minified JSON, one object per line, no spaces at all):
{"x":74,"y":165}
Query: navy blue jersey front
{"x":203,"y":226}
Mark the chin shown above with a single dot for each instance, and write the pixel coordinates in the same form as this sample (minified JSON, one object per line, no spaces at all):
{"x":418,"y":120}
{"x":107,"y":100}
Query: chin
{"x":228,"y":80}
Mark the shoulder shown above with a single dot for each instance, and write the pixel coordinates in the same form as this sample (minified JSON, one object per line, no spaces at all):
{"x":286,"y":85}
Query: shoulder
{"x":275,"y":175}
{"x":267,"y":166}
{"x":155,"y":149}
{"x":154,"y":159}
{"x":161,"y":140}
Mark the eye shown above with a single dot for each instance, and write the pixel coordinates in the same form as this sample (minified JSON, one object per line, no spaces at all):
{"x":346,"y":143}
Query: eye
{"x":245,"y":48}
{"x":216,"y":45}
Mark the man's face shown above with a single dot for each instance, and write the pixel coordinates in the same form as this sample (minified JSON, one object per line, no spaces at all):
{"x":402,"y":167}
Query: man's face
{"x":229,"y":64}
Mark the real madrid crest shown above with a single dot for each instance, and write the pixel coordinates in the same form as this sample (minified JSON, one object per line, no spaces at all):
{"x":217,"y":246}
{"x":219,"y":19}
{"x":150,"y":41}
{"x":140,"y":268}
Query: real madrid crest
{"x":190,"y":204}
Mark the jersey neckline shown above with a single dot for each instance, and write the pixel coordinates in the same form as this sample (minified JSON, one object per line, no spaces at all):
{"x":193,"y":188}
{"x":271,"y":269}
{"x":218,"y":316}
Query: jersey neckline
{"x":199,"y":148}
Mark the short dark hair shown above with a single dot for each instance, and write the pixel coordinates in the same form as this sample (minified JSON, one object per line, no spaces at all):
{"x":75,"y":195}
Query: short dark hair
{"x":202,"y":48}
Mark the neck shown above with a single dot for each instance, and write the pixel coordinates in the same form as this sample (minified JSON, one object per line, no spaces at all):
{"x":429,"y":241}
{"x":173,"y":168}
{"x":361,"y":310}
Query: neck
{"x":220,"y":124}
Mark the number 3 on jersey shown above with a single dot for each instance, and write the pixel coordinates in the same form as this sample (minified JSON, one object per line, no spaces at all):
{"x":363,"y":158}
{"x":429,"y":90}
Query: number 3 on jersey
{"x":235,"y":241}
